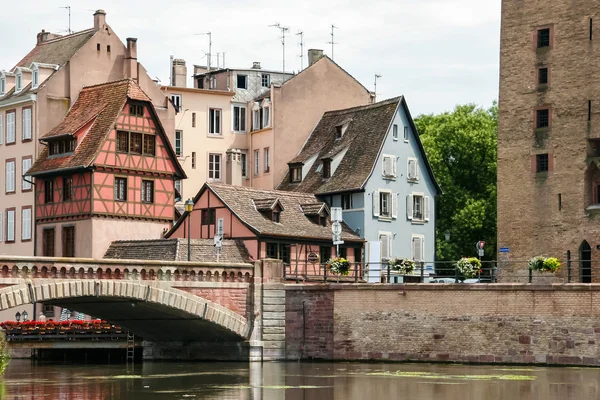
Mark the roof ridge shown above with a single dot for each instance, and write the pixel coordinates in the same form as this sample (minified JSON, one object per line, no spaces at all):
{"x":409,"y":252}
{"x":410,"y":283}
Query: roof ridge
{"x":382,"y":103}
{"x":70,"y":35}
{"x":266,"y":191}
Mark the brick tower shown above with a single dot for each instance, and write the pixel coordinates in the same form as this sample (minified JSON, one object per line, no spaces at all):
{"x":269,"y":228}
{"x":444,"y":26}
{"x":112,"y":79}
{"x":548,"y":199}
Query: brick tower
{"x":549,"y":135}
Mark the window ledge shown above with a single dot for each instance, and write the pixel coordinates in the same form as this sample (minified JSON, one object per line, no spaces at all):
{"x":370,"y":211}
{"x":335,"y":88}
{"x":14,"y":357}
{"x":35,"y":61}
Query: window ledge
{"x":413,"y":180}
{"x":385,"y":219}
{"x":388,"y":177}
{"x":214,"y":136}
{"x":418,"y":221}
{"x":593,"y":207}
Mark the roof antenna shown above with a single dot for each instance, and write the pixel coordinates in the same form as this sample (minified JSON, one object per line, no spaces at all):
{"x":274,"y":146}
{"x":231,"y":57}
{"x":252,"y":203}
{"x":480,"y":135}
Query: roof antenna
{"x":283,"y":30}
{"x":68,"y":9}
{"x":301,"y":49}
{"x":209,"y":45}
{"x":375,"y":89}
{"x":332,"y":42}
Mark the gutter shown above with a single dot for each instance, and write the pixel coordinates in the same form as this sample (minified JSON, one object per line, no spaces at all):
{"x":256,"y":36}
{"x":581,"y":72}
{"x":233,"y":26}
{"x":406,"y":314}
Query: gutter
{"x":57,"y":171}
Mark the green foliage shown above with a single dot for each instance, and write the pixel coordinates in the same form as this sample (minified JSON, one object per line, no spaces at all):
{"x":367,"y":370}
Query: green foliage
{"x":462,"y":149}
{"x":468,"y":267}
{"x":543,"y":264}
{"x":4,"y":354}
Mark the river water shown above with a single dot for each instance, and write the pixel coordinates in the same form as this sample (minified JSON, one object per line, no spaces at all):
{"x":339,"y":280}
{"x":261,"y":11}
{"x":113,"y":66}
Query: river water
{"x":312,"y":381}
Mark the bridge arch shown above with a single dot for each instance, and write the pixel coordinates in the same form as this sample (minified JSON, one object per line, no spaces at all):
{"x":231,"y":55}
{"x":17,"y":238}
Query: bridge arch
{"x":153,"y":309}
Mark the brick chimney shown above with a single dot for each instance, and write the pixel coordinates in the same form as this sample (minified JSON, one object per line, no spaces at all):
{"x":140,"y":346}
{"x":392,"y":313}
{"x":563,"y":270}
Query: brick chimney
{"x":256,"y":65}
{"x":179,"y":73}
{"x":314,"y":55}
{"x":42,"y":36}
{"x":99,"y":19}
{"x":233,"y":167}
{"x":131,"y":64}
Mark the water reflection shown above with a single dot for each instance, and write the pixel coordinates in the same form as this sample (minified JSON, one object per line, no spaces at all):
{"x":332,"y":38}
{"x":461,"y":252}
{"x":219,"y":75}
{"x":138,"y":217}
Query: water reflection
{"x":296,"y":381}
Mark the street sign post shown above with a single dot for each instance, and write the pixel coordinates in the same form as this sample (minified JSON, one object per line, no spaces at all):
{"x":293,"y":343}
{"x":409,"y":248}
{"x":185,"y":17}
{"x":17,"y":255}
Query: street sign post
{"x":218,"y":239}
{"x":336,"y":230}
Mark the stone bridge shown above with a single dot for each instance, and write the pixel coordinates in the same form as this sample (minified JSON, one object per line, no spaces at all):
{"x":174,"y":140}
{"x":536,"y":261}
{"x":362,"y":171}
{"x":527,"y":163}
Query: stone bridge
{"x":180,"y":309}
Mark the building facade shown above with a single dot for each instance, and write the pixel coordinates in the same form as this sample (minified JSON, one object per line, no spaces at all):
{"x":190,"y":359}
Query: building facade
{"x":106,"y":172}
{"x":369,"y":161}
{"x":36,"y":94}
{"x":549,"y":136}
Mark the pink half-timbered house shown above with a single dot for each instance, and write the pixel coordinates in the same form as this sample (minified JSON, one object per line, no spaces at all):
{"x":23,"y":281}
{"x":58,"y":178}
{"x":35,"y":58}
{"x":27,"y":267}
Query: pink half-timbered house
{"x":107,"y":172}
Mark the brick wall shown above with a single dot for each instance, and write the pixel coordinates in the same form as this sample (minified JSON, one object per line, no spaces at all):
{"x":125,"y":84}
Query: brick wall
{"x":236,"y":299}
{"x":557,"y":324}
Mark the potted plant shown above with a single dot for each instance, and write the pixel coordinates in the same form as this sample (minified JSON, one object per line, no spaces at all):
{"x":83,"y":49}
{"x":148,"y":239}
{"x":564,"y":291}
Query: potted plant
{"x":543,"y":264}
{"x":404,"y":266}
{"x":339,"y":266}
{"x":469,"y":267}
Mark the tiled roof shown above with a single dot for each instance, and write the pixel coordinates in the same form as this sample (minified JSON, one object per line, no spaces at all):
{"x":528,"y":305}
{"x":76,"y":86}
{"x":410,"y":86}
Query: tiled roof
{"x":312,"y":209}
{"x":265,"y":204}
{"x":292,"y":223}
{"x":57,"y":51}
{"x":202,"y":250}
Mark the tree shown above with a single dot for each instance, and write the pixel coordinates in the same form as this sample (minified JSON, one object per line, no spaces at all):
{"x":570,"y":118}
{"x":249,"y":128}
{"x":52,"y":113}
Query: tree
{"x":462,"y":149}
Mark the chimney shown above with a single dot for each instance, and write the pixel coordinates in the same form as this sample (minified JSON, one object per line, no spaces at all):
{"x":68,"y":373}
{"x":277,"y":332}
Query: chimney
{"x":256,"y":65}
{"x":99,"y":19}
{"x":131,"y":64}
{"x":179,"y":73}
{"x":42,"y":36}
{"x":233,"y":168}
{"x":314,"y":55}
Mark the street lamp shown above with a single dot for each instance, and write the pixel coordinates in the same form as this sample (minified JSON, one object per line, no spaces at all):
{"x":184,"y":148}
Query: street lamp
{"x":447,"y":236}
{"x":189,"y":206}
{"x":25,"y":316}
{"x":18,"y":316}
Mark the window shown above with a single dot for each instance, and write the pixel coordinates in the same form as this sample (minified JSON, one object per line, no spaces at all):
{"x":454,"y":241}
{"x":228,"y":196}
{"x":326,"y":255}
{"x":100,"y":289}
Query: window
{"x":214,"y":167}
{"x":406,"y":133}
{"x":135,"y":143}
{"x":10,"y":127}
{"x":385,"y":205}
{"x":214,"y":121}
{"x":395,"y":132}
{"x":209,"y":216}
{"x":149,"y":145}
{"x":68,"y":241}
{"x":10,"y":176}
{"x":25,"y":224}
{"x":212,"y":82}
{"x":98,"y":46}
{"x":418,"y":248}
{"x":275,"y":214}
{"x":413,"y":170}
{"x":48,"y":310}
{"x":279,"y":251}
{"x":19,"y":84}
{"x":48,"y":191}
{"x":244,"y":157}
{"x":389,"y":166}
{"x":61,"y":146}
{"x":108,"y":48}
{"x":543,"y":38}
{"x":266,"y":116}
{"x":267,"y":160}
{"x":48,"y":242}
{"x":68,"y":193}
{"x":296,"y":174}
{"x":418,"y":207}
{"x":266,"y":80}
{"x":339,"y":131}
{"x":346,"y":201}
{"x":543,"y":76}
{"x":147,"y":191}
{"x":324,"y":254}
{"x":326,"y":169}
{"x":193,"y":120}
{"x":26,"y":124}
{"x":10,"y":225}
{"x":25,"y":165}
{"x":122,"y":141}
{"x":385,"y":238}
{"x":343,"y":252}
{"x":2,"y":86}
{"x":239,"y":118}
{"x":256,"y":120}
{"x":178,"y":143}
{"x":176,"y":100}
{"x":136,"y":110}
{"x":256,"y":162}
{"x":120,"y":189}
{"x":242,"y":81}
{"x":193,"y":160}
{"x":542,"y":118}
{"x":35,"y":78}
{"x":541,"y":163}
{"x":177,"y":185}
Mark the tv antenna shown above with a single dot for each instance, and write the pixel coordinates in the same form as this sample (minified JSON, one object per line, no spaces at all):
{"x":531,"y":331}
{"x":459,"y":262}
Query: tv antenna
{"x":332,"y":42}
{"x":301,"y":34}
{"x":283,"y":30}
{"x":69,"y":10}
{"x":377,"y":76}
{"x":209,"y":55}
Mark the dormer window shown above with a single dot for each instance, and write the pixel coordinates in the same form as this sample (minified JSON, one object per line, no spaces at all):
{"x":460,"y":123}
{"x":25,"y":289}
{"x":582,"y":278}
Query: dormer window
{"x":296,"y":174}
{"x":326,"y":168}
{"x":35,"y":78}
{"x":340,"y":130}
{"x":19,"y":83}
{"x":269,"y":208}
{"x":2,"y":86}
{"x":61,"y":146}
{"x":275,"y":214}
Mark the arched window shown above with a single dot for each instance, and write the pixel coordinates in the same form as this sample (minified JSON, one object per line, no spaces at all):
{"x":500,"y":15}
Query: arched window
{"x":585,"y":262}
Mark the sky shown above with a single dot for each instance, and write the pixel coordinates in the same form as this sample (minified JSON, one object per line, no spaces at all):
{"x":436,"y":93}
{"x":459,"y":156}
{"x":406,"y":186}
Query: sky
{"x":437,"y":53}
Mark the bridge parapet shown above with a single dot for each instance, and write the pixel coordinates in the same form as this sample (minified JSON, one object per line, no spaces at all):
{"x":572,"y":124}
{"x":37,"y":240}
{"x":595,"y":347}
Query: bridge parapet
{"x":144,"y":270}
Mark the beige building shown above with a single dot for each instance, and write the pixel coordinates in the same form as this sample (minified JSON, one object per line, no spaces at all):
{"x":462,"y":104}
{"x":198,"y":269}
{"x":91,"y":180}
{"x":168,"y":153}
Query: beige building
{"x":36,"y":94}
{"x":252,"y":122}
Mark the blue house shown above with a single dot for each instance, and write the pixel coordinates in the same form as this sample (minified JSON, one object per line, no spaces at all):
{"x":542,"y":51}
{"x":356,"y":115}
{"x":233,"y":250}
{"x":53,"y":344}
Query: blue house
{"x":369,"y":160}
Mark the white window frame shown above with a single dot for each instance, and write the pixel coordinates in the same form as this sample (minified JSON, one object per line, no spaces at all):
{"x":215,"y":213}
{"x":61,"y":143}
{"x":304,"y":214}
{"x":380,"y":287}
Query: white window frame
{"x":26,"y":224}
{"x":11,"y":127}
{"x":268,"y":79}
{"x":25,"y":165}
{"x":412,"y":171}
{"x":215,"y":115}
{"x":1,"y":128}
{"x":35,"y":78}
{"x":177,"y":186}
{"x":350,"y":201}
{"x":395,"y":131}
{"x":2,"y":86}
{"x":267,"y":156}
{"x":10,"y":176}
{"x":392,"y":204}
{"x":178,"y":138}
{"x":244,"y":163}
{"x":26,"y":124}
{"x":19,"y":82}
{"x":10,"y":226}
{"x":386,"y":239}
{"x":266,"y":117}
{"x":256,"y":162}
{"x":237,"y":81}
{"x":421,"y":239}
{"x":177,"y":100}
{"x":406,"y":134}
{"x":218,"y":171}
{"x":411,"y":209}
{"x":237,"y":109}
{"x":388,"y":166}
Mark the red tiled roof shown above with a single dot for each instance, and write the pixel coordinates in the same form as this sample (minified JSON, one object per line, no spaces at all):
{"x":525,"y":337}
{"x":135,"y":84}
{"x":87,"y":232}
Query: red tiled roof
{"x":98,"y":104}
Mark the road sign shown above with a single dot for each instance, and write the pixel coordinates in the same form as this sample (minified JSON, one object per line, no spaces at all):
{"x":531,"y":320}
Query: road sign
{"x":336,"y":228}
{"x":504,"y":250}
{"x":336,"y":214}
{"x":338,"y":242}
{"x":480,"y":245}
{"x":220,"y":223}
{"x":313,"y":258}
{"x":218,"y":241}
{"x":480,"y":252}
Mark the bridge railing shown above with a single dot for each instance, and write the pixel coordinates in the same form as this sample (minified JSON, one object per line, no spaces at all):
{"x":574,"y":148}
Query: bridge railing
{"x":88,"y":268}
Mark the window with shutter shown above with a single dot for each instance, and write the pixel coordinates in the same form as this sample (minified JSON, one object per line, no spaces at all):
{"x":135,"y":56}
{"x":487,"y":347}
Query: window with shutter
{"x":376,"y":203}
{"x":10,"y":176}
{"x":417,"y":248}
{"x":25,"y":165}
{"x":26,"y":134}
{"x":409,"y":206}
{"x":1,"y":129}
{"x":413,"y":168}
{"x":427,"y":208}
{"x":26,"y":224}
{"x":384,"y":239}
{"x":394,"y":205}
{"x":10,"y":127}
{"x":10,"y":225}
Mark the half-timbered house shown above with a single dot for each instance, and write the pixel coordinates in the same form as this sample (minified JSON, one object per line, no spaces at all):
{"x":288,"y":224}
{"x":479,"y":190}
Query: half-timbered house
{"x":106,"y":172}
